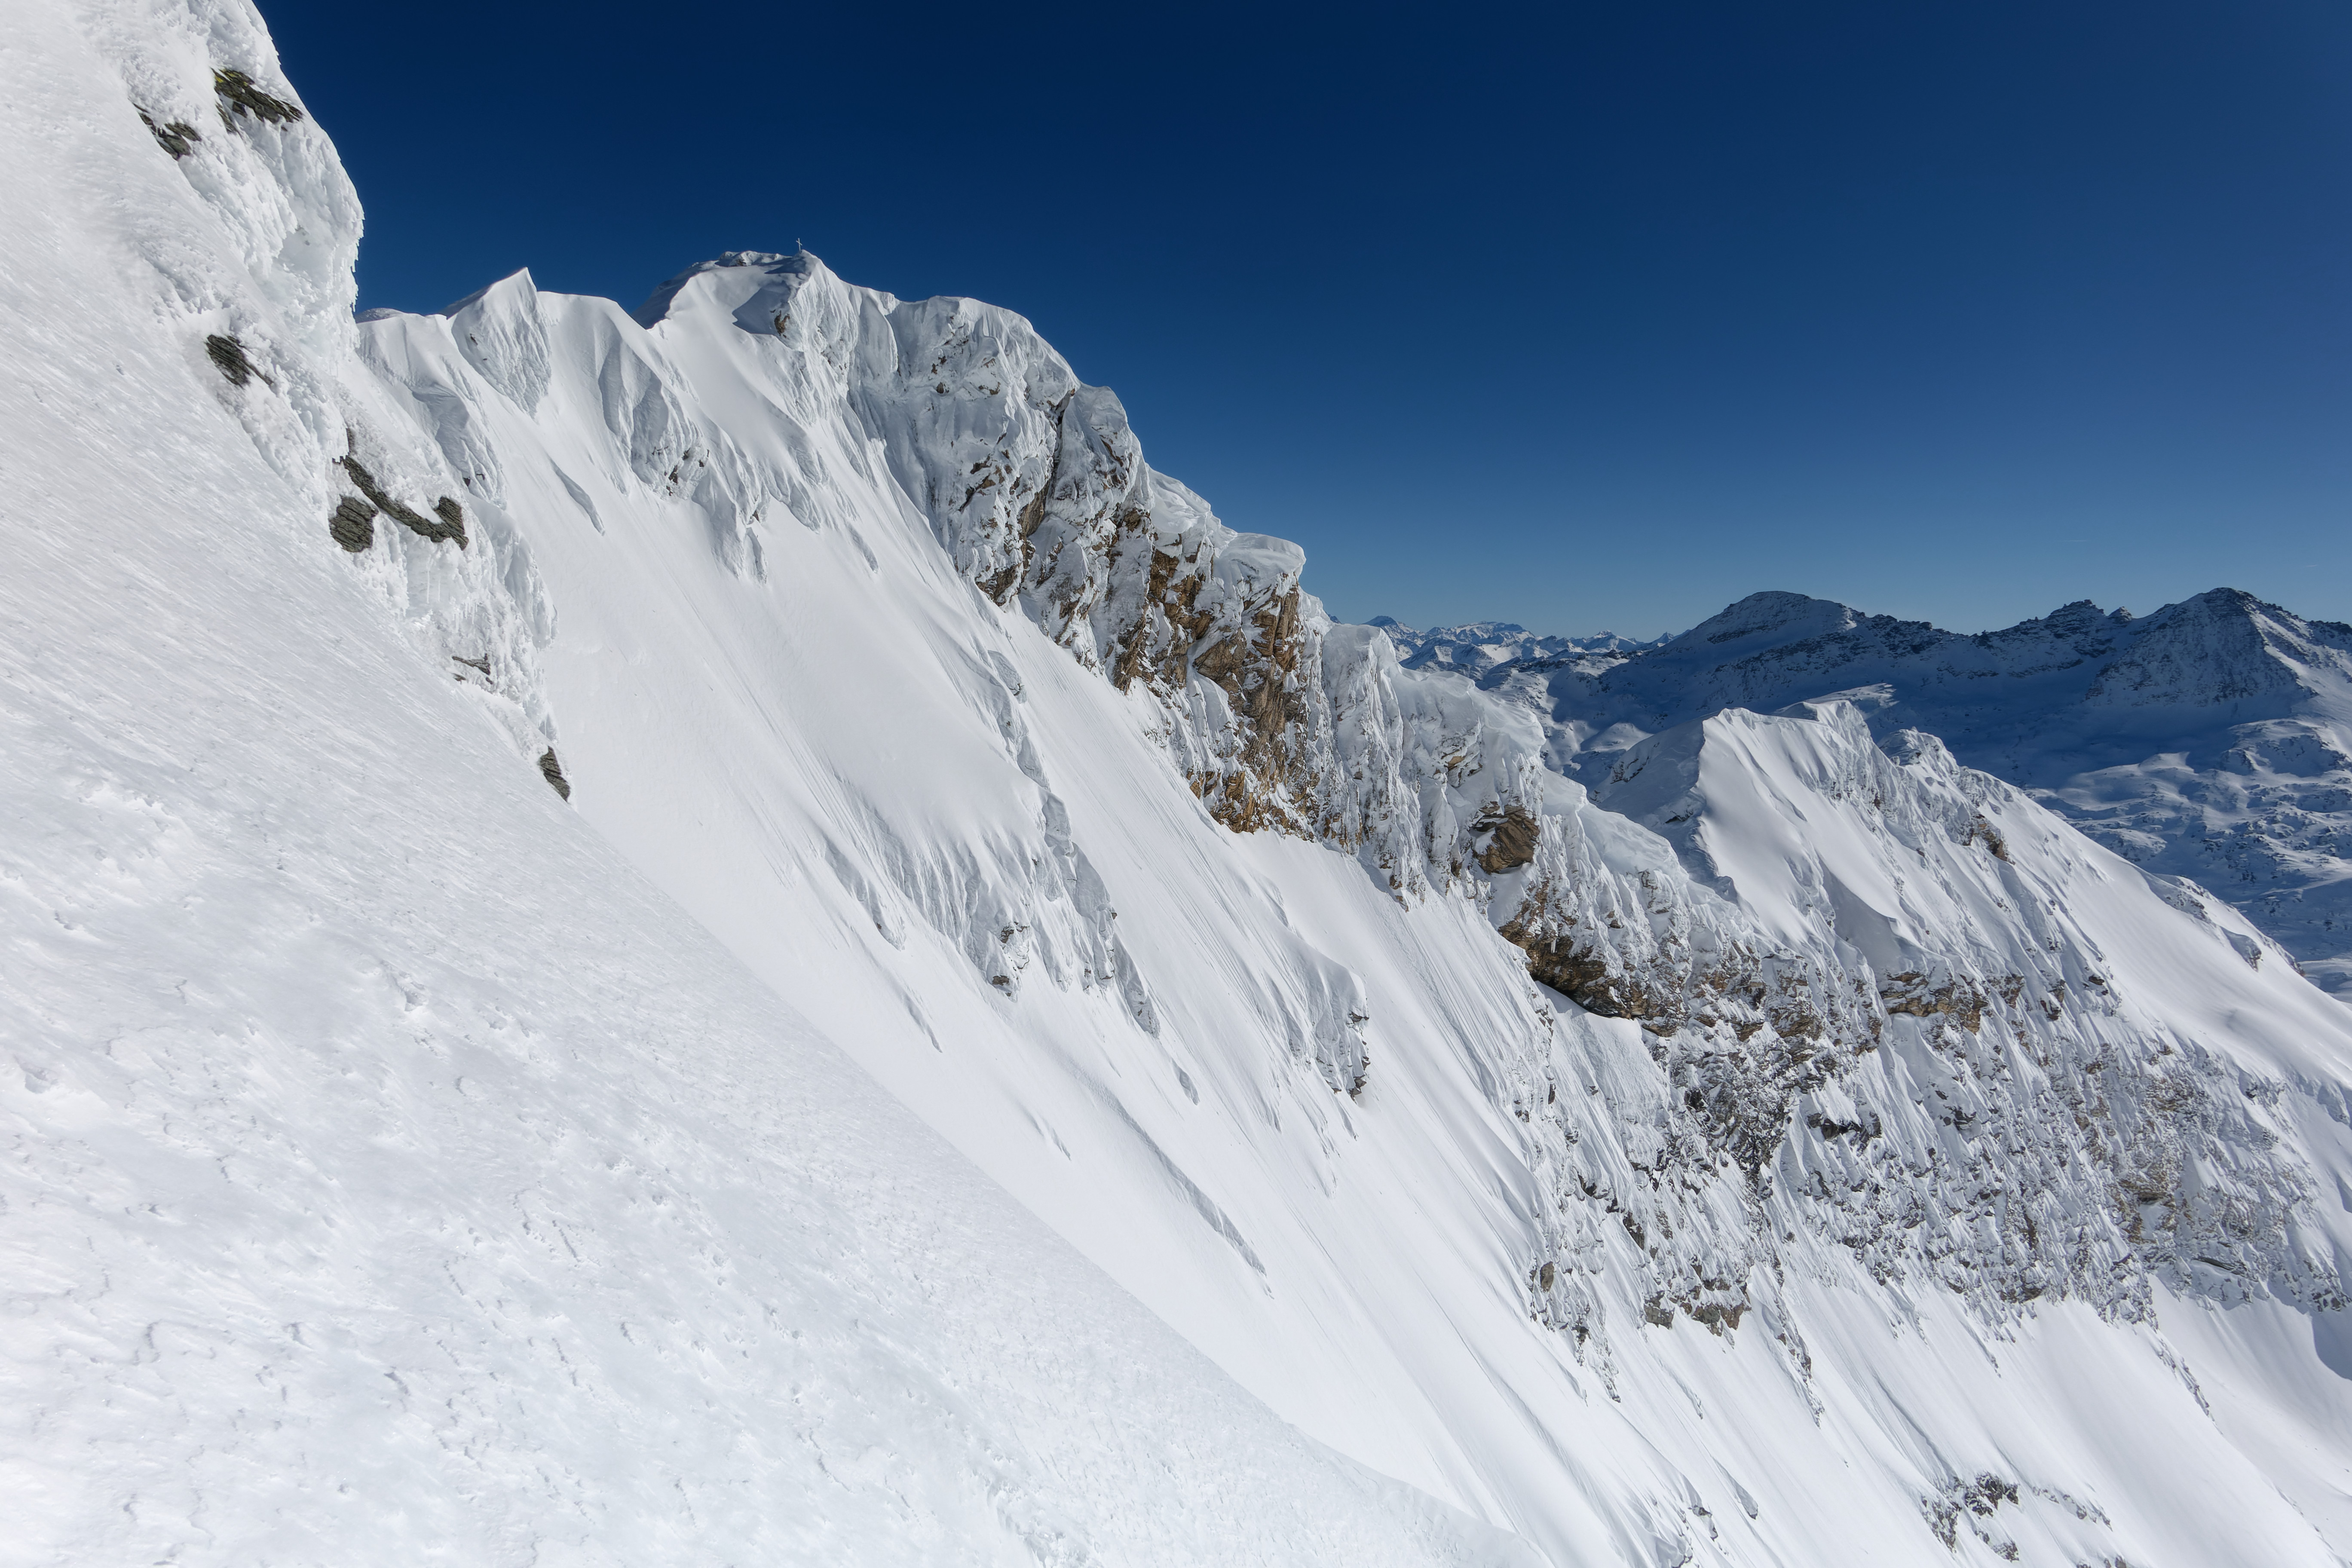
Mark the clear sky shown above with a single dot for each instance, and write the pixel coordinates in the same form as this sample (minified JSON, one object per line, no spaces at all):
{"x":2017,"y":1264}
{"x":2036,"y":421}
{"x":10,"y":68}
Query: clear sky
{"x":1579,"y":316}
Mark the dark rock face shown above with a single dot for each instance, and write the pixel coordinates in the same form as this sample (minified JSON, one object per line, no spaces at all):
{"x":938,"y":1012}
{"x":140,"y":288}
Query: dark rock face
{"x":552,"y":771}
{"x":448,"y":522}
{"x":228,"y":355}
{"x":237,"y":91}
{"x":352,"y":525}
{"x":174,"y":137}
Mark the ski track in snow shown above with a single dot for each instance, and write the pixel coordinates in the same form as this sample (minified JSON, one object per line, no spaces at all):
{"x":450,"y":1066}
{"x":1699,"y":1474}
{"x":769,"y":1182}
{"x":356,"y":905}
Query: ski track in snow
{"x":883,"y":1115}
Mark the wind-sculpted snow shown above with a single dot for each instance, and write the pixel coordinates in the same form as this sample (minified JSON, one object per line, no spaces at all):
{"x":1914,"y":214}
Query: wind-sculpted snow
{"x":2008,"y":1089}
{"x":1768,"y":999}
{"x":1778,"y":1144}
{"x":1890,"y":1032}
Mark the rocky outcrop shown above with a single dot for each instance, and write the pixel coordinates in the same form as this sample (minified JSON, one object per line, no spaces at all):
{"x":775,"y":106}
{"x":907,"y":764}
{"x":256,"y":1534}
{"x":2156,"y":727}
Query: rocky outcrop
{"x":176,"y":137}
{"x":1511,"y":841}
{"x":228,"y":357}
{"x":447,"y":521}
{"x":353,"y":524}
{"x":239,"y":94}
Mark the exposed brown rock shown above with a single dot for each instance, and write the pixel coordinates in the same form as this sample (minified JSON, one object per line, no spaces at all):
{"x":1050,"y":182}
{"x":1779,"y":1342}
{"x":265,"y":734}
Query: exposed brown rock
{"x":1982,"y":829}
{"x":1513,"y":844}
{"x":1908,"y":994}
{"x":1581,"y":973}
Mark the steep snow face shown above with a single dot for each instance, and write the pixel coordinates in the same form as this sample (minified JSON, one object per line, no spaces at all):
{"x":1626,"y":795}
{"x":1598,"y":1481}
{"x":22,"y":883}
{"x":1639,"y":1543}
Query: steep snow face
{"x":1794,"y":1147}
{"x":391,"y":1171}
{"x":2211,"y":740}
{"x":940,"y":708}
{"x":1480,"y":645}
{"x":2029,"y":1012}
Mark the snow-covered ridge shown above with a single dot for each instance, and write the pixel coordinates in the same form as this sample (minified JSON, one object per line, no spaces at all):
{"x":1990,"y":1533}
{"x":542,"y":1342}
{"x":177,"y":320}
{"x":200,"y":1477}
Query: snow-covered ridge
{"x":1785,"y":1145}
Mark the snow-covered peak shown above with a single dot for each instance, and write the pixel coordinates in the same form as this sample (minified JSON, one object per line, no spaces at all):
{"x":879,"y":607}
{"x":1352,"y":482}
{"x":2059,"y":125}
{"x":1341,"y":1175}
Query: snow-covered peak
{"x":755,"y":287}
{"x":2227,"y":650}
{"x":1772,"y":617}
{"x":2223,"y":649}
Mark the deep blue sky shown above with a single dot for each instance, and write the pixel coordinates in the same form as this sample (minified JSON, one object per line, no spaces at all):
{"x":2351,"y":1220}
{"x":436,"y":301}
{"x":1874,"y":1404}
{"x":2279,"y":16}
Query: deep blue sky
{"x":1582,"y":316}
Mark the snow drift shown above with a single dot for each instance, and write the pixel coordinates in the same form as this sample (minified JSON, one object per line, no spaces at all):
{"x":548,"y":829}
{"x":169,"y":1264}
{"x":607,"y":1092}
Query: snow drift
{"x":1013,"y":1036}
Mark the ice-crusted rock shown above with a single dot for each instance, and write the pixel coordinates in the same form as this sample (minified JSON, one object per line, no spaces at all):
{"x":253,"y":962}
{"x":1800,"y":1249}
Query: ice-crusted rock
{"x":274,"y":281}
{"x":1941,"y":1037}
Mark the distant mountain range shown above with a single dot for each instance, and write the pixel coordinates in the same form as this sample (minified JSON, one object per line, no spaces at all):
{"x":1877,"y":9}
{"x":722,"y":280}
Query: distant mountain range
{"x":2210,"y":740}
{"x":1481,"y":646}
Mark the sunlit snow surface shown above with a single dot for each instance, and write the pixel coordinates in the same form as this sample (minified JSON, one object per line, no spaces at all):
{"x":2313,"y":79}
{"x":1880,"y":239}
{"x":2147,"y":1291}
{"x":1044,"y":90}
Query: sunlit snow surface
{"x":880,"y":1117}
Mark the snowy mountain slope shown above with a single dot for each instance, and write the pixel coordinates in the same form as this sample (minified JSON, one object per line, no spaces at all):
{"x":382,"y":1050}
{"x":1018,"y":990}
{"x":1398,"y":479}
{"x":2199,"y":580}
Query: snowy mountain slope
{"x":1475,"y":648}
{"x":863,"y":632}
{"x":726,"y":699}
{"x":2211,"y":740}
